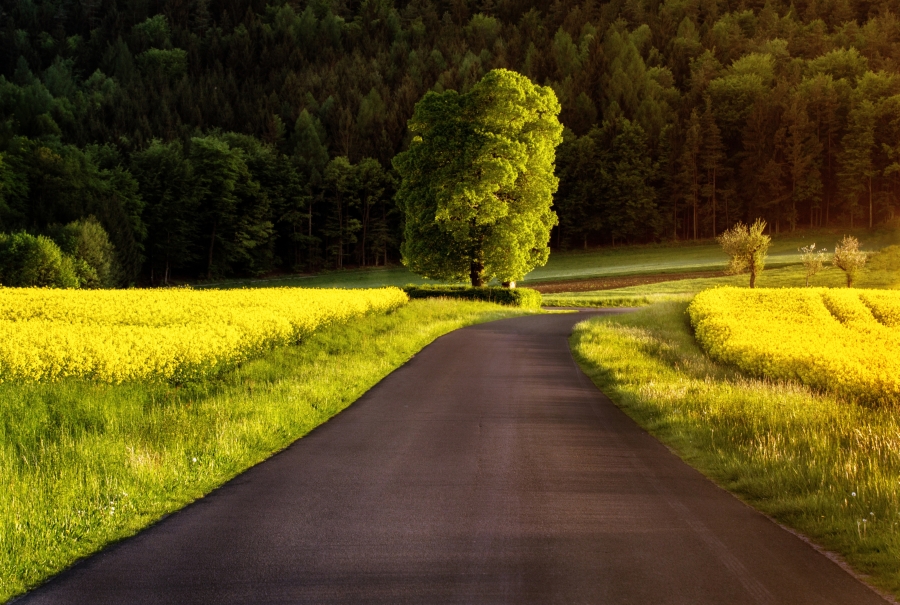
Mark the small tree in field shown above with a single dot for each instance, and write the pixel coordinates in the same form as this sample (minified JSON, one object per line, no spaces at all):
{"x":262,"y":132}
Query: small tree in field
{"x":747,"y":247}
{"x":849,"y":258}
{"x":813,"y":260}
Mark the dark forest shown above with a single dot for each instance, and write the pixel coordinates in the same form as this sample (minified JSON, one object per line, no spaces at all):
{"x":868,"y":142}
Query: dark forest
{"x":213,"y":138}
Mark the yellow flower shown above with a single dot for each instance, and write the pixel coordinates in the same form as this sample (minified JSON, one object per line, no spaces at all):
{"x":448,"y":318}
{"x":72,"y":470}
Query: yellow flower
{"x":841,"y":340}
{"x":121,"y":335}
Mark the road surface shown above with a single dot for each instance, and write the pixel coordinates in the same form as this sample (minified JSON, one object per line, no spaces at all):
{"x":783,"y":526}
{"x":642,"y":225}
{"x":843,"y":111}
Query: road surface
{"x":488,"y":469}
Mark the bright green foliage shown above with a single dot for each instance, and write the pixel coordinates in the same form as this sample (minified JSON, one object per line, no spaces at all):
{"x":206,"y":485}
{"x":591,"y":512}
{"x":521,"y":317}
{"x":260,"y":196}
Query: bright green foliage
{"x":747,"y":248}
{"x":95,"y":257}
{"x":478,"y":182}
{"x":26,"y":260}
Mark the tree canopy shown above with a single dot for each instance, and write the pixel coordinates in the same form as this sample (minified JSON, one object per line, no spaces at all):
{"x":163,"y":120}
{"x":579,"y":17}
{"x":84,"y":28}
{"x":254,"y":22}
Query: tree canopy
{"x":681,"y":119}
{"x":478,"y":180}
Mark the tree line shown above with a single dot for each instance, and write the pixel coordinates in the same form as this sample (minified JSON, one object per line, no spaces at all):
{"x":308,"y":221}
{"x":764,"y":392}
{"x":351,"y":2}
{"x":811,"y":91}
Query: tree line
{"x":225,"y":137}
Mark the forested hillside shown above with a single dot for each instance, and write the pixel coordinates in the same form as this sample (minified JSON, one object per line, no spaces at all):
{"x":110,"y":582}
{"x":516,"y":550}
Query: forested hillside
{"x":222,"y":137}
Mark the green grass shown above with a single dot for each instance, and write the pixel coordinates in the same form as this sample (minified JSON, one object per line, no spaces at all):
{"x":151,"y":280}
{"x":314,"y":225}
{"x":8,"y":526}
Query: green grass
{"x":682,"y":257}
{"x":828,"y":468}
{"x":84,"y":464}
{"x":669,"y":257}
{"x":883,"y":271}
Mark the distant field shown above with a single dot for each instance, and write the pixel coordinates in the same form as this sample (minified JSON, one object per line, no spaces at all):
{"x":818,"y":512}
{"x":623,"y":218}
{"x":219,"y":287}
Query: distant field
{"x":883,"y":272}
{"x":677,"y":257}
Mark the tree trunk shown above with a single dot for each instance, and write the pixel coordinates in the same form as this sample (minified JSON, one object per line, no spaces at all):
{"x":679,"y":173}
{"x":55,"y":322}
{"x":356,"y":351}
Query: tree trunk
{"x":309,"y":252}
{"x":212,"y":243}
{"x":365,"y":230}
{"x":726,"y":212}
{"x":695,"y":217}
{"x":476,"y":274}
{"x":870,"y":203}
{"x":340,"y":256}
{"x":828,"y":187}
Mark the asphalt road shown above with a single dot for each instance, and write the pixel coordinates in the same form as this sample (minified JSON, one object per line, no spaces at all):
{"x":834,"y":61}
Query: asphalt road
{"x":486,"y":470}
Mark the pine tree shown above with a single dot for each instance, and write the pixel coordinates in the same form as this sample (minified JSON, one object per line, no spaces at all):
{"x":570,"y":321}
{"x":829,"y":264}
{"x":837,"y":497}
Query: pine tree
{"x":689,"y":174}
{"x":857,"y":168}
{"x":802,"y":155}
{"x":712,"y":158}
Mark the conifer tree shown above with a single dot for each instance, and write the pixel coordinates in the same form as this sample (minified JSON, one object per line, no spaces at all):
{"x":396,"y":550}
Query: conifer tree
{"x":857,"y":166}
{"x":802,"y":150}
{"x":690,"y":172}
{"x":712,"y":158}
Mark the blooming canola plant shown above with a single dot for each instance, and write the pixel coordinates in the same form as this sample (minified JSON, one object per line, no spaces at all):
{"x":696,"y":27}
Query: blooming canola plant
{"x":174,"y":334}
{"x":840,"y":340}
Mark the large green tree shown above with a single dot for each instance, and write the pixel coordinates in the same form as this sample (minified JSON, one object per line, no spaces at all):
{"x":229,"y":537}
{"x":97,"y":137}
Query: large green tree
{"x":478,"y":180}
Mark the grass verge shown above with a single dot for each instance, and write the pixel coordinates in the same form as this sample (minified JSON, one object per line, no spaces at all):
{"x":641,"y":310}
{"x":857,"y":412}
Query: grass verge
{"x":84,"y":464}
{"x":828,"y":468}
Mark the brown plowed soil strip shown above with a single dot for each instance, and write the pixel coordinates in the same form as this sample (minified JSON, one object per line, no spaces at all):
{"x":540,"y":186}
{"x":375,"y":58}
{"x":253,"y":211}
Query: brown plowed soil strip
{"x":611,"y":283}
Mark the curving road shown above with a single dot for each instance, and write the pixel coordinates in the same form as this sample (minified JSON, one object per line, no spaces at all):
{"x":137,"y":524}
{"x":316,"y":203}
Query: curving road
{"x":486,"y":470}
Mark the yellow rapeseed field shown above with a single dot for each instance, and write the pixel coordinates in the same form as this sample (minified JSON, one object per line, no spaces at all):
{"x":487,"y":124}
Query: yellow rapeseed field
{"x":840,"y":340}
{"x":173,"y":334}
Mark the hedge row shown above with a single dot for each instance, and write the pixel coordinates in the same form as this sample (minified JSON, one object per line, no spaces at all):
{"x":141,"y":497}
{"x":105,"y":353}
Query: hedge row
{"x":518,"y":297}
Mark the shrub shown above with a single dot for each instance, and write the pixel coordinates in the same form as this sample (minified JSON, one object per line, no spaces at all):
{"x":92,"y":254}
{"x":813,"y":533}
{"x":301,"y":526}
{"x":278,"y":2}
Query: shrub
{"x":747,"y":247}
{"x":516,"y":297}
{"x":27,"y":261}
{"x":813,"y":260}
{"x":849,"y":258}
{"x":95,"y":257}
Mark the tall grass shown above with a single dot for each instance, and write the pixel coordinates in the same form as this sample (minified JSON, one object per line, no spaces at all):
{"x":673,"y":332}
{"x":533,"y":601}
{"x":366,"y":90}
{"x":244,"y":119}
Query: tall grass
{"x":825,"y":467}
{"x":84,"y":464}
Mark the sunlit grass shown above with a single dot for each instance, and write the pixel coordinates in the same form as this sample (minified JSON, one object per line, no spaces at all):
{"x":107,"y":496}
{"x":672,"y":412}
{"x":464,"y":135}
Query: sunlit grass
{"x":826,"y":467}
{"x":83,"y":464}
{"x":881,"y":274}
